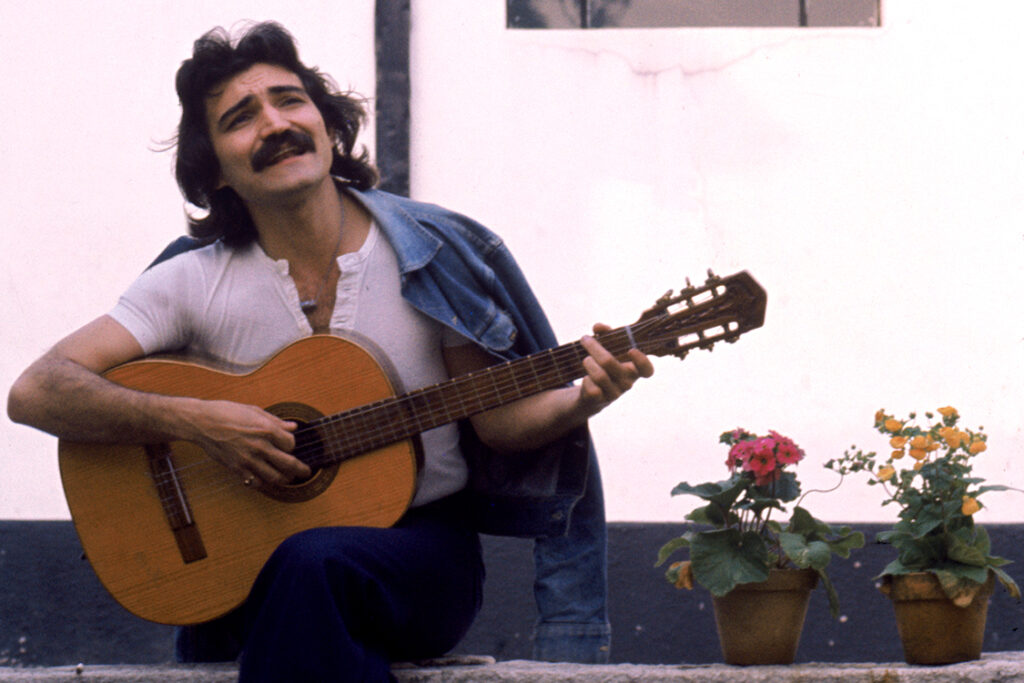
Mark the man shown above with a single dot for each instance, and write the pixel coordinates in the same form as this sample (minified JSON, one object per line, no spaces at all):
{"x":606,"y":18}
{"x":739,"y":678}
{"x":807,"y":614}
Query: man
{"x":296,"y":241}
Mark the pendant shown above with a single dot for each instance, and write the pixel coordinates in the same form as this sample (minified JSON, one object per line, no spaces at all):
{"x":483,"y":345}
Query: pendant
{"x":308,"y":306}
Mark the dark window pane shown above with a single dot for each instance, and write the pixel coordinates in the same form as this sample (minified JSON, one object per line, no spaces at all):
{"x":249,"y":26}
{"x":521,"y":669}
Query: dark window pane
{"x":568,"y":14}
{"x":658,"y":13}
{"x":843,"y":13}
{"x":545,"y":13}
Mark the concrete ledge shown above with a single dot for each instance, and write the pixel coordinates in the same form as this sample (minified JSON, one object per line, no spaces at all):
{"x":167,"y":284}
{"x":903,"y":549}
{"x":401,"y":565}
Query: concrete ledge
{"x":1001,"y":667}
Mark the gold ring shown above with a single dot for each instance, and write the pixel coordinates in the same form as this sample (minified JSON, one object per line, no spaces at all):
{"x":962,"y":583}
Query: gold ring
{"x":249,"y":480}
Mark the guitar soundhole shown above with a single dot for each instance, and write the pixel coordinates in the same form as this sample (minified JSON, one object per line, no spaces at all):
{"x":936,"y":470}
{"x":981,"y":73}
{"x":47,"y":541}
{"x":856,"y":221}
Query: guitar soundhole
{"x":310,"y":448}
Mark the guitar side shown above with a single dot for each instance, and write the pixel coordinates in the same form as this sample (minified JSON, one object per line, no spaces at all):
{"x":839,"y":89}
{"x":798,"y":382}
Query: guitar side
{"x":187,"y":549}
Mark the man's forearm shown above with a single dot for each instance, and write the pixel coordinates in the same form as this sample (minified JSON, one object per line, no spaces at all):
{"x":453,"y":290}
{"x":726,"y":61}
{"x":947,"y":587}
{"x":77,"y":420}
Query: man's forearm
{"x":531,"y":422}
{"x":67,"y":400}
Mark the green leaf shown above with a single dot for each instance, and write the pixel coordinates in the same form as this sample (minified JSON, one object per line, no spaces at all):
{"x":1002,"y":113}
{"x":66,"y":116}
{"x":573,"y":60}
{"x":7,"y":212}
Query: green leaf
{"x":960,"y":550}
{"x":926,"y":520}
{"x":794,"y":546}
{"x":804,"y":554}
{"x":671,"y":547}
{"x":708,"y":514}
{"x":1008,"y":582}
{"x":847,"y":542}
{"x":985,"y":542}
{"x":723,"y":493}
{"x":802,"y":522}
{"x":921,"y":553}
{"x":996,"y":561}
{"x":887,"y":536}
{"x":785,"y":489}
{"x":960,"y":581}
{"x":895,"y":567}
{"x":723,"y":558}
{"x":833,"y":596}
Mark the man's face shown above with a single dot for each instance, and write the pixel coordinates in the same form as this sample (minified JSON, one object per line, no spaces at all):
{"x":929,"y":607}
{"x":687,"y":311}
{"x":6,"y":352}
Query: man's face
{"x":269,"y":137}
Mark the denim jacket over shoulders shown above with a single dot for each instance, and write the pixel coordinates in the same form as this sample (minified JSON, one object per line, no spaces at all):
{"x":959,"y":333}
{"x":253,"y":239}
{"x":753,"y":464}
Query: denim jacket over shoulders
{"x":458,"y":272}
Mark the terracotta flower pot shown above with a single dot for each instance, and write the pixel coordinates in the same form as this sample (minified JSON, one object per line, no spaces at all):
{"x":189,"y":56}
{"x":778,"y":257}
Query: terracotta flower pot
{"x":761,"y":623}
{"x":932,"y":629}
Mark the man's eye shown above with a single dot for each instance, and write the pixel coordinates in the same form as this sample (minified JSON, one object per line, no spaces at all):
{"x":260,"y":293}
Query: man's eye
{"x":238,"y":120}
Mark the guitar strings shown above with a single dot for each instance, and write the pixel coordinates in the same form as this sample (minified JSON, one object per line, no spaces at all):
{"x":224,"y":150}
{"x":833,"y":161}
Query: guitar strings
{"x":384,"y":419}
{"x":377,"y":431}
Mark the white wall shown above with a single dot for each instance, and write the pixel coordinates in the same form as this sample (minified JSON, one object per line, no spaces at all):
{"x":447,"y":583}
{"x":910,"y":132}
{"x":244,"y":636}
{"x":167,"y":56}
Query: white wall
{"x":86,"y":202}
{"x":869,"y":179}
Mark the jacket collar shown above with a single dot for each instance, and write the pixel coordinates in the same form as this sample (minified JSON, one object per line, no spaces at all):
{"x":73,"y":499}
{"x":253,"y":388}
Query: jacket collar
{"x":414,"y":245}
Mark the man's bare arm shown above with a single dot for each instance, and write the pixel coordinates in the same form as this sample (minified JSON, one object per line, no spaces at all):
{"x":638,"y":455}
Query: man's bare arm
{"x":536,"y":420}
{"x":63,"y":393}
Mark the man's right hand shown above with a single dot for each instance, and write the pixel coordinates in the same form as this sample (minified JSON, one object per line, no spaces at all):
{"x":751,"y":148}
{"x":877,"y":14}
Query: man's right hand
{"x":247,"y":440}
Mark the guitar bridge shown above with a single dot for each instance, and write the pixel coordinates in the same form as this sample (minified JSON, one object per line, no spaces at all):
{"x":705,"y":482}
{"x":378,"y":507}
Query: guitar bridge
{"x":175,"y":503}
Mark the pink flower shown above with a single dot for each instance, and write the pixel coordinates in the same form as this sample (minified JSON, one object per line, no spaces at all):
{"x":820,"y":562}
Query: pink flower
{"x":786,"y":452}
{"x":738,"y":455}
{"x":762,"y":457}
{"x":739,"y":434}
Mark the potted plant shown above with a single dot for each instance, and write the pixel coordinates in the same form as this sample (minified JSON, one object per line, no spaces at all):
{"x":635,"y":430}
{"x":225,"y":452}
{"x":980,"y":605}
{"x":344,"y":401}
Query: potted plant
{"x":759,"y":570}
{"x":944,"y":570}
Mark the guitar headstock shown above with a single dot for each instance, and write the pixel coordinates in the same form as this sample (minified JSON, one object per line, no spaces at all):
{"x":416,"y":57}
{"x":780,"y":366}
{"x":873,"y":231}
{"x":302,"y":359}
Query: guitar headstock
{"x":721,"y":309}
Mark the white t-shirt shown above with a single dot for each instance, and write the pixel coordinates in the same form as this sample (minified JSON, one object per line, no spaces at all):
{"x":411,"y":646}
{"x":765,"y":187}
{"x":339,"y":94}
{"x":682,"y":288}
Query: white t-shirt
{"x":239,"y":306}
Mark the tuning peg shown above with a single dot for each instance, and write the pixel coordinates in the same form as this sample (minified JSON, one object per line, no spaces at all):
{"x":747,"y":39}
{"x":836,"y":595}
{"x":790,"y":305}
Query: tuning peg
{"x":665,"y":299}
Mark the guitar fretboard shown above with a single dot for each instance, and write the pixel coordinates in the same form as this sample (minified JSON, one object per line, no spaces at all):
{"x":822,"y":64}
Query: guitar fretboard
{"x":379,"y":424}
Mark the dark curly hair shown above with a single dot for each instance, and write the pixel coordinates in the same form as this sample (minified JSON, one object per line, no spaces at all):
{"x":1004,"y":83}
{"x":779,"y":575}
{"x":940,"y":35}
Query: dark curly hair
{"x":215,"y":59}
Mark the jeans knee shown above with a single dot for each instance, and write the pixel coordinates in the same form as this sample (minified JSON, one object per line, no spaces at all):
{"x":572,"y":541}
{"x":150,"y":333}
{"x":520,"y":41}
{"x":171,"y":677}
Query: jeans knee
{"x":305,"y":550}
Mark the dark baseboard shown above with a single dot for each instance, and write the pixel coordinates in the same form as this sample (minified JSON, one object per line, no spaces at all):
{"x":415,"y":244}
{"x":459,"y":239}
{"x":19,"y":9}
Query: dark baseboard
{"x":54,"y":611}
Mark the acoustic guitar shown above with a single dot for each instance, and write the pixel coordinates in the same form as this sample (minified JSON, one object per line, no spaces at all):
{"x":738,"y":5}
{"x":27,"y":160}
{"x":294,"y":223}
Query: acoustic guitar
{"x":177,"y":539}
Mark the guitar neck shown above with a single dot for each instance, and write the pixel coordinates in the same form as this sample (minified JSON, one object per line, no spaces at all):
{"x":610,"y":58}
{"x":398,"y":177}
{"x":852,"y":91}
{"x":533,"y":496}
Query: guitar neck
{"x":695,"y":318}
{"x":382,"y":423}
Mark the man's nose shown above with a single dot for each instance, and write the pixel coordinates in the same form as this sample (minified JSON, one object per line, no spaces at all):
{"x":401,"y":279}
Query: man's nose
{"x":272,"y":122}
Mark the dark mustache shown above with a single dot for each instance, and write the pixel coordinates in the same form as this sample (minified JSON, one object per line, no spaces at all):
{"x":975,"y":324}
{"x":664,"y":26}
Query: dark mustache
{"x":273,"y":145}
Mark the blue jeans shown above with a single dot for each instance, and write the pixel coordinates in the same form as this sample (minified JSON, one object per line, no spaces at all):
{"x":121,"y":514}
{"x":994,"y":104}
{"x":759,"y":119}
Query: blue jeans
{"x":342,"y":603}
{"x":571,"y":584}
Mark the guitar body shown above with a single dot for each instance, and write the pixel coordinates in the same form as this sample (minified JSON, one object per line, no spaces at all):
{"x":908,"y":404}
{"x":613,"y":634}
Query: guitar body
{"x":177,"y":538}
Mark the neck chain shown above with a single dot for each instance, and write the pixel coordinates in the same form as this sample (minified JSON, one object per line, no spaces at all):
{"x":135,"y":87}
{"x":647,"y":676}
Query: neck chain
{"x":308,"y":306}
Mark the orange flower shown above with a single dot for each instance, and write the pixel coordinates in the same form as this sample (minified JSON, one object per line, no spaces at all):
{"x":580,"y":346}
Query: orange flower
{"x":952,"y":436}
{"x":920,"y":441}
{"x":898,"y":441}
{"x":885,"y":474}
{"x":948,"y":411}
{"x":918,"y":454}
{"x":880,"y":416}
{"x":893,"y":425}
{"x":970,"y":506}
{"x":918,"y":464}
{"x":977,"y":447}
{"x":896,"y":455}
